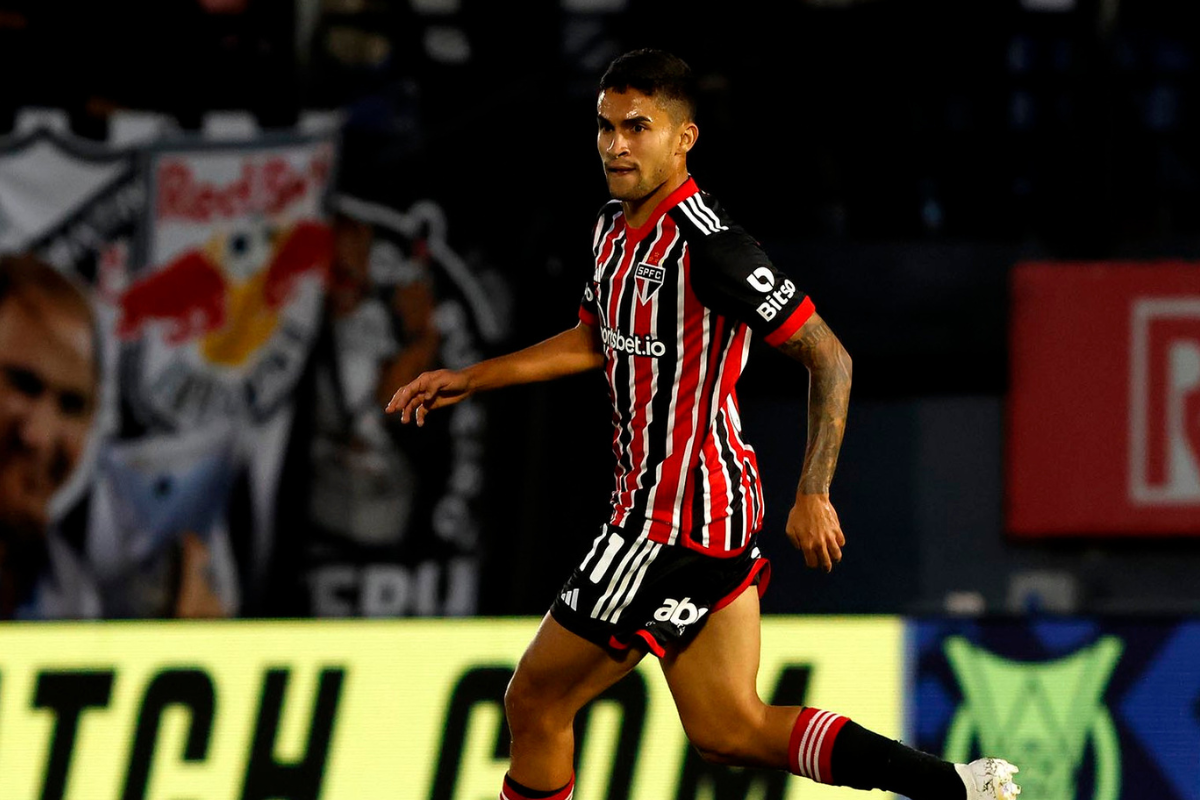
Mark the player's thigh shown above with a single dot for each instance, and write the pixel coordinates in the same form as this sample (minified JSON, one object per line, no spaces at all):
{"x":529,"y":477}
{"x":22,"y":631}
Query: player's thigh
{"x":713,"y":679}
{"x":560,"y":671}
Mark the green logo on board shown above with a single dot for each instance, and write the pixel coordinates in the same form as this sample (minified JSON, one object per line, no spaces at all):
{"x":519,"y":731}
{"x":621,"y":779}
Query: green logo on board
{"x":1039,"y":716}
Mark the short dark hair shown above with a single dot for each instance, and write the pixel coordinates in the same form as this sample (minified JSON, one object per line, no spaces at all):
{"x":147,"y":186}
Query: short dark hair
{"x":656,"y":73}
{"x":24,"y":274}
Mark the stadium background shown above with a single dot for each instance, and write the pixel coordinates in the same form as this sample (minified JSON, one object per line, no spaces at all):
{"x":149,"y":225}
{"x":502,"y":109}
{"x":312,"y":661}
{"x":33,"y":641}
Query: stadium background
{"x":995,"y":205}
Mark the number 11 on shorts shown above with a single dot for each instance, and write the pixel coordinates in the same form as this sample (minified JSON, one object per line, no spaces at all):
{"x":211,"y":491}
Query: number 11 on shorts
{"x":606,"y":558}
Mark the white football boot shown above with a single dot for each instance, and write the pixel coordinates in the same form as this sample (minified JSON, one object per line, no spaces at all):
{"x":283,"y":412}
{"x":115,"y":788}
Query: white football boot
{"x":989,"y":779}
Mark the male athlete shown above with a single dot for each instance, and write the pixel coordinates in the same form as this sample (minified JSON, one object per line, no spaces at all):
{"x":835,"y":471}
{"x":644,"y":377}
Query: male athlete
{"x":677,"y":290}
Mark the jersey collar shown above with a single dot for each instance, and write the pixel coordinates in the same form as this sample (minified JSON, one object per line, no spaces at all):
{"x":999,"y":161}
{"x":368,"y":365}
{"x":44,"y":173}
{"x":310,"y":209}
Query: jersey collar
{"x":686,"y":190}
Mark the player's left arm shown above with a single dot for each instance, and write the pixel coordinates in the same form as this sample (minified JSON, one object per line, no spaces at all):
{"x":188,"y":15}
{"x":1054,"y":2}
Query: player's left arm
{"x":732,"y":275}
{"x":813,"y":524}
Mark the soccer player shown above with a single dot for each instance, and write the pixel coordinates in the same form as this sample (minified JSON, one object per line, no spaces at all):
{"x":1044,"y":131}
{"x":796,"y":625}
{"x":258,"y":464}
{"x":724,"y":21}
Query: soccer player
{"x":677,"y":290}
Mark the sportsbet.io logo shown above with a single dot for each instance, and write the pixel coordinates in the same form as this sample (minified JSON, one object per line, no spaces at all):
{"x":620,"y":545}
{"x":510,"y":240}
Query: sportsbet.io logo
{"x":1040,"y":716}
{"x":644,"y":345}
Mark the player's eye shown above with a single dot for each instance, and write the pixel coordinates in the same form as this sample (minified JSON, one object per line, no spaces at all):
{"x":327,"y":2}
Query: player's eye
{"x":73,"y":404}
{"x":24,"y":381}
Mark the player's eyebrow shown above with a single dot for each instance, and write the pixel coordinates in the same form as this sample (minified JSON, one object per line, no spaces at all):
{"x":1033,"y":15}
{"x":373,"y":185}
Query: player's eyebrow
{"x":640,"y":119}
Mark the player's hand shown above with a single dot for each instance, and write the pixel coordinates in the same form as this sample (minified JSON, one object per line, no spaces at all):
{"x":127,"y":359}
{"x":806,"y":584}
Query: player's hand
{"x":428,"y":391}
{"x":814,"y":529}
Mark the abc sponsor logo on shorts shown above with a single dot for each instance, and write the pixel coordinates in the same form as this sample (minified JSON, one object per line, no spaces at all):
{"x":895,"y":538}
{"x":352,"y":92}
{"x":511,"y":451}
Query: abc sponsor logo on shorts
{"x":763,"y":280}
{"x":644,"y":345}
{"x":679,"y":612}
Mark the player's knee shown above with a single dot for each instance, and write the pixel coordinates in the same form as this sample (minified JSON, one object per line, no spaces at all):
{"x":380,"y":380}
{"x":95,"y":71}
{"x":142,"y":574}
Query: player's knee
{"x":527,"y":709}
{"x":725,"y":741}
{"x":726,"y":750}
{"x":519,"y":702}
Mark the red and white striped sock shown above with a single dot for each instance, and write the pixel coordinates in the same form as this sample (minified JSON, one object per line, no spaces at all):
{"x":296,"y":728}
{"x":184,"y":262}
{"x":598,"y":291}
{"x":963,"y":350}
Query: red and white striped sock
{"x":515,"y":791}
{"x":810,"y":750}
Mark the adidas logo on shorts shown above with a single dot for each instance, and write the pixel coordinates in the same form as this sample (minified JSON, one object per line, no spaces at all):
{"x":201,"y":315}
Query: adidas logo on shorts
{"x":570,"y":598}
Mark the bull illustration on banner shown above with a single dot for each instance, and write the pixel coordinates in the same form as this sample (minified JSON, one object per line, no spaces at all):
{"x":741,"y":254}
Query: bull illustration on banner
{"x":222,"y":294}
{"x":222,"y":320}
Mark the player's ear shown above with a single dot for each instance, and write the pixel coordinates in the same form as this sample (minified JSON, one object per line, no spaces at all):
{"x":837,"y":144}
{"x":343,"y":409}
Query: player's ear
{"x":688,"y":134}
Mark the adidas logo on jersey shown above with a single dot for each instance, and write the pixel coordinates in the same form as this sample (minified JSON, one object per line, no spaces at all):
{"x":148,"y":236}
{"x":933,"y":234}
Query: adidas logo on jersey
{"x":680,"y":612}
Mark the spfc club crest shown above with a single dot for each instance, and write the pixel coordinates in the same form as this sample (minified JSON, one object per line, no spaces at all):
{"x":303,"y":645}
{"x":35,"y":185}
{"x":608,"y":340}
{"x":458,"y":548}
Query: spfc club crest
{"x":649,"y":280}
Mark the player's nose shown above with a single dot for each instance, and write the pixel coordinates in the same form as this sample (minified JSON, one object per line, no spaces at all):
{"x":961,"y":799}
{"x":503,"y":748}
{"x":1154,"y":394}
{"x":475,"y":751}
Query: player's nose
{"x":39,"y":425}
{"x":618,"y":145}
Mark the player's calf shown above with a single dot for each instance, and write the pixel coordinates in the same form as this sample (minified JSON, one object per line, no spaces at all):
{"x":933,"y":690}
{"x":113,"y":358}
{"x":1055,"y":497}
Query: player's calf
{"x":543,"y":741}
{"x":829,"y":748}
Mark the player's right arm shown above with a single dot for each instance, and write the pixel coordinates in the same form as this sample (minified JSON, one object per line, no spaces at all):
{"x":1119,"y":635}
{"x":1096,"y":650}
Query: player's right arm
{"x":572,"y":351}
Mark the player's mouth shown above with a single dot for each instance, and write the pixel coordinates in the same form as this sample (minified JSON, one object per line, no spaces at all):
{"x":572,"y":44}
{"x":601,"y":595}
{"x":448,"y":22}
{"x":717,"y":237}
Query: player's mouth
{"x":619,"y":169}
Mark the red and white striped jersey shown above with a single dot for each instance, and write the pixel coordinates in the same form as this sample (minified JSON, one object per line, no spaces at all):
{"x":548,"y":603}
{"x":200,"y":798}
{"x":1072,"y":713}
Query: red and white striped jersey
{"x":675,"y":301}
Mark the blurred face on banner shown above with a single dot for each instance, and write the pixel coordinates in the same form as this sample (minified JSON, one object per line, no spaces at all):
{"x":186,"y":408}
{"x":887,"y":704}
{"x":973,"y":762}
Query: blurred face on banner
{"x":47,"y":393}
{"x":643,"y":140}
{"x":351,"y":264}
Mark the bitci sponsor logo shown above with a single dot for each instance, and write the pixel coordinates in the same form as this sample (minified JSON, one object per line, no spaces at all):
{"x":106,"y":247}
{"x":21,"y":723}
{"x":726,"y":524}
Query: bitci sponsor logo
{"x":1164,"y":424}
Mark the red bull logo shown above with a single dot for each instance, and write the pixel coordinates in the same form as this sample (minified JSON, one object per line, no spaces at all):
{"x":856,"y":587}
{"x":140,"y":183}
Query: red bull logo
{"x":191,"y":295}
{"x":187,"y":295}
{"x":262,"y":187}
{"x":306,"y":252}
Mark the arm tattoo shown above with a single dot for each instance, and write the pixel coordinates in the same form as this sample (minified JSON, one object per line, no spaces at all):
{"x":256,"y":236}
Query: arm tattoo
{"x":829,"y":372}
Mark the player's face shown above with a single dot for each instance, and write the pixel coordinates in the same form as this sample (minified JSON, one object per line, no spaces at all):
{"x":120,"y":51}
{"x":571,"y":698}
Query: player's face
{"x":641,"y":143}
{"x":47,"y":394}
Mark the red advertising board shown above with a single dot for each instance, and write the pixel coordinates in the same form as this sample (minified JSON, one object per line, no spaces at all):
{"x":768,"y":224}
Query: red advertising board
{"x":1104,"y":400}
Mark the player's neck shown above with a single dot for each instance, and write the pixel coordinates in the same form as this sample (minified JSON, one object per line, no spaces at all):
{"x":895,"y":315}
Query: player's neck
{"x":637,"y":212}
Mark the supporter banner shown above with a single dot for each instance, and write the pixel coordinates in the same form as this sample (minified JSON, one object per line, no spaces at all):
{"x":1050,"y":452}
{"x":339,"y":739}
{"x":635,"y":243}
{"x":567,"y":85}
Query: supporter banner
{"x":391,"y":525}
{"x":1104,"y":400}
{"x":71,"y":202}
{"x":346,"y":710}
{"x":207,"y":264}
{"x":236,"y":254}
{"x":1089,"y":710}
{"x":250,"y":333}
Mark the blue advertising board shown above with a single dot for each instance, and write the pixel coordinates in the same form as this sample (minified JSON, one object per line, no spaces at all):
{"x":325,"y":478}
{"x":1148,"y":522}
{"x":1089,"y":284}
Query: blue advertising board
{"x":1090,"y":709}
